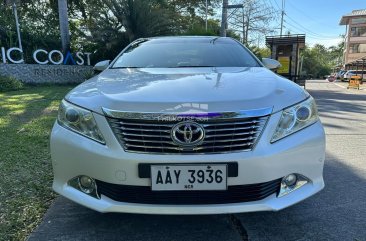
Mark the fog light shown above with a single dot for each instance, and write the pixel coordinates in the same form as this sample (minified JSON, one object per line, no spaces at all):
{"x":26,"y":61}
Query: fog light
{"x":290,"y":180}
{"x":86,"y":184}
{"x":291,"y":183}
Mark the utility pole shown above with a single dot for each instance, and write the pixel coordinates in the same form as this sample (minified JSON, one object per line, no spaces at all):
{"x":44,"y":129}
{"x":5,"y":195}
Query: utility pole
{"x":64,"y":25}
{"x":244,"y":39}
{"x":225,"y":3}
{"x":282,"y":14}
{"x":17,"y":25}
{"x":206,"y":13}
{"x":345,"y":46}
{"x":13,"y":4}
{"x":225,"y":7}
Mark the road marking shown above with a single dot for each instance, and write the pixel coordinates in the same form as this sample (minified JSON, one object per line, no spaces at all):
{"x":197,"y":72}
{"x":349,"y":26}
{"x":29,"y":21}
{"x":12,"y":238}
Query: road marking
{"x":344,"y":87}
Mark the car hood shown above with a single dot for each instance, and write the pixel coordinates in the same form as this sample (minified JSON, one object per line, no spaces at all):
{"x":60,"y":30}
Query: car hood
{"x":186,"y":90}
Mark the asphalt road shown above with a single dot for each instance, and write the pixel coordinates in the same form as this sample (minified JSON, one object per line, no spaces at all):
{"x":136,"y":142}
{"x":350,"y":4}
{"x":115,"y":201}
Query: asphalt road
{"x":336,"y":213}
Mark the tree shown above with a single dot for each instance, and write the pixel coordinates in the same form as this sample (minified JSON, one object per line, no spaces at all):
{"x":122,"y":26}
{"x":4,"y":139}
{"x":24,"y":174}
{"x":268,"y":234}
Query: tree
{"x":39,"y":26}
{"x":336,"y":52}
{"x":108,"y":26}
{"x":141,"y":18}
{"x":253,"y":21}
{"x":319,"y":60}
{"x":193,"y":8}
{"x":103,"y":27}
{"x":6,"y":26}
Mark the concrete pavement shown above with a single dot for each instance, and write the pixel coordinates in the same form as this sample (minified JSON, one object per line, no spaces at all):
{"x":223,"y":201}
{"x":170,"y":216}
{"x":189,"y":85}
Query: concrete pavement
{"x":68,"y":221}
{"x":337,"y":213}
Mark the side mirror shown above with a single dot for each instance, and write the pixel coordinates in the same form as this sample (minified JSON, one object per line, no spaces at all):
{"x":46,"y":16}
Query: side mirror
{"x":102,"y":65}
{"x":271,"y":63}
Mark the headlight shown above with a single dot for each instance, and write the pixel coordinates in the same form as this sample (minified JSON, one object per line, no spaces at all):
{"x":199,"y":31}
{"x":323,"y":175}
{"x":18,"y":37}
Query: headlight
{"x":79,"y":120}
{"x":295,"y":118}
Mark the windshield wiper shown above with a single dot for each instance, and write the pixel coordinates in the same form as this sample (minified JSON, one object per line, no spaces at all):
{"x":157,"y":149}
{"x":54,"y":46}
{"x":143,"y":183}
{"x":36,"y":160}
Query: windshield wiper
{"x":181,"y":66}
{"x":194,"y":66}
{"x":126,"y":67}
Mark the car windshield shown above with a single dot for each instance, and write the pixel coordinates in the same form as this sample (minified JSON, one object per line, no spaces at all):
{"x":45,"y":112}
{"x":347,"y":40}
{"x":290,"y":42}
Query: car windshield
{"x":157,"y":53}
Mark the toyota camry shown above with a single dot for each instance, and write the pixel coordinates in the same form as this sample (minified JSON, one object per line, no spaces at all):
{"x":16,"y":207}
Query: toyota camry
{"x":187,"y":125}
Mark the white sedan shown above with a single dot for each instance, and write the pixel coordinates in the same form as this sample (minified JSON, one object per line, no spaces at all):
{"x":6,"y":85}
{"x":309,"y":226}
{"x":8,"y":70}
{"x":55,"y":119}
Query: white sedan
{"x":187,"y":125}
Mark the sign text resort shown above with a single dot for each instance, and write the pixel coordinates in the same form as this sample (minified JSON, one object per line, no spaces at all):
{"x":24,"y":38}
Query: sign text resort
{"x":52,"y":57}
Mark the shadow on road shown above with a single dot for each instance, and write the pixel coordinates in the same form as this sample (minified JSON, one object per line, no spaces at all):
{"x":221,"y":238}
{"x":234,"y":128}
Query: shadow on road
{"x":69,"y":221}
{"x":341,"y":112}
{"x":333,"y":101}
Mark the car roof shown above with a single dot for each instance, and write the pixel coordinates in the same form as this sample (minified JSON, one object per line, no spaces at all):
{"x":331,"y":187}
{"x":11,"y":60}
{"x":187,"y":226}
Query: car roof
{"x":192,"y":39}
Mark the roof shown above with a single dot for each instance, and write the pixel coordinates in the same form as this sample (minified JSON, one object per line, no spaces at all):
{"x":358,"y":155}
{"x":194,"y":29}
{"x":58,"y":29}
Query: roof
{"x":358,"y":61}
{"x":285,"y":40}
{"x":354,"y":13}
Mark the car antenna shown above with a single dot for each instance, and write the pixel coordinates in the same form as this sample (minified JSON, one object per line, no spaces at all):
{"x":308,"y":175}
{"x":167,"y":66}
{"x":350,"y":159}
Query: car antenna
{"x":214,"y":39}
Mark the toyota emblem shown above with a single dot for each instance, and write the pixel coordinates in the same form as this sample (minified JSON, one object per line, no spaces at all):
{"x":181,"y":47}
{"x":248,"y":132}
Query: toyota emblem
{"x":187,"y":134}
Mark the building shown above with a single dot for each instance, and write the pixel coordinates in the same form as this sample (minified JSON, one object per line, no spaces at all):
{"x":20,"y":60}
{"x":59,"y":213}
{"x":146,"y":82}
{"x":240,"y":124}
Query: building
{"x":286,"y":49}
{"x":355,"y":39}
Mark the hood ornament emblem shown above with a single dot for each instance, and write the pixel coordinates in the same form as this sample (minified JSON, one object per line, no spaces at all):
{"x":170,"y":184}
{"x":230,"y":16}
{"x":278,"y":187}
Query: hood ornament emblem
{"x":187,"y":134}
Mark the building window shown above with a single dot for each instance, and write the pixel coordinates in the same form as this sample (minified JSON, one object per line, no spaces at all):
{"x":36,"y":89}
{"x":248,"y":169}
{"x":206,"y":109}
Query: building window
{"x":353,"y":48}
{"x":353,"y":31}
{"x":357,"y":48}
{"x":358,"y":31}
{"x":358,"y":20}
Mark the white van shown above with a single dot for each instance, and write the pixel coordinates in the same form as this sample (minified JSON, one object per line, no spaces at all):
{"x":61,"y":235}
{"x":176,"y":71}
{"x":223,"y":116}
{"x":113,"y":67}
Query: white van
{"x":350,"y":73}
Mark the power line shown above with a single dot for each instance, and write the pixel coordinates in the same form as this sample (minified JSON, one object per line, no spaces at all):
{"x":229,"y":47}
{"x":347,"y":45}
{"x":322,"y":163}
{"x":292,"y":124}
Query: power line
{"x":309,"y":35}
{"x":282,"y":15}
{"x":277,"y":5}
{"x":308,"y":30}
{"x":273,"y":7}
{"x":302,"y":30}
{"x":305,"y":14}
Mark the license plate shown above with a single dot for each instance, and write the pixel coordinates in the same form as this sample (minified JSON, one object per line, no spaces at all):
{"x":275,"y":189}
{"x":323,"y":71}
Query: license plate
{"x":188,"y":177}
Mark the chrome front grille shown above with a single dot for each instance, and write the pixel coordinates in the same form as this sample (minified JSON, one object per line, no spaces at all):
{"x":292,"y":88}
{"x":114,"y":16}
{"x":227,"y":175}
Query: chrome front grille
{"x":154,"y":136}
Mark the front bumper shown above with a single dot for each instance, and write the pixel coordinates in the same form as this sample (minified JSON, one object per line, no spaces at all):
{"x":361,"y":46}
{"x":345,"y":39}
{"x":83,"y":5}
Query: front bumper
{"x":302,"y":152}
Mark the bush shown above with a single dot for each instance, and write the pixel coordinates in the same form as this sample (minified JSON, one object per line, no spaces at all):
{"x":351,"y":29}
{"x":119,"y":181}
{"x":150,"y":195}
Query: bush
{"x":89,"y":75}
{"x":8,"y":83}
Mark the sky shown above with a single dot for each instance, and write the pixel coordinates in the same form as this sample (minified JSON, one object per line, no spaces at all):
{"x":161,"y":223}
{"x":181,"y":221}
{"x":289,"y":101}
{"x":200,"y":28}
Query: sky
{"x":318,"y":19}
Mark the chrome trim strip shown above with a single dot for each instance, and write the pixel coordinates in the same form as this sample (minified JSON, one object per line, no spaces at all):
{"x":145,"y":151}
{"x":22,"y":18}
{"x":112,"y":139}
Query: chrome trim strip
{"x":182,"y":116}
{"x":232,"y":135}
{"x":233,"y":129}
{"x":221,"y":121}
{"x":262,"y":128}
{"x":193,"y":148}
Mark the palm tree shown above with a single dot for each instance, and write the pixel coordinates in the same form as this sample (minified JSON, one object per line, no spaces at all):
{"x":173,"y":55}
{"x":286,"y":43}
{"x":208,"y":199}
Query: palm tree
{"x":141,"y":18}
{"x":64,"y":25}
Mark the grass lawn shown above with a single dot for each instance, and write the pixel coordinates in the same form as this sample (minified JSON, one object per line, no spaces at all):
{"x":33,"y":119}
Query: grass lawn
{"x":26,"y":119}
